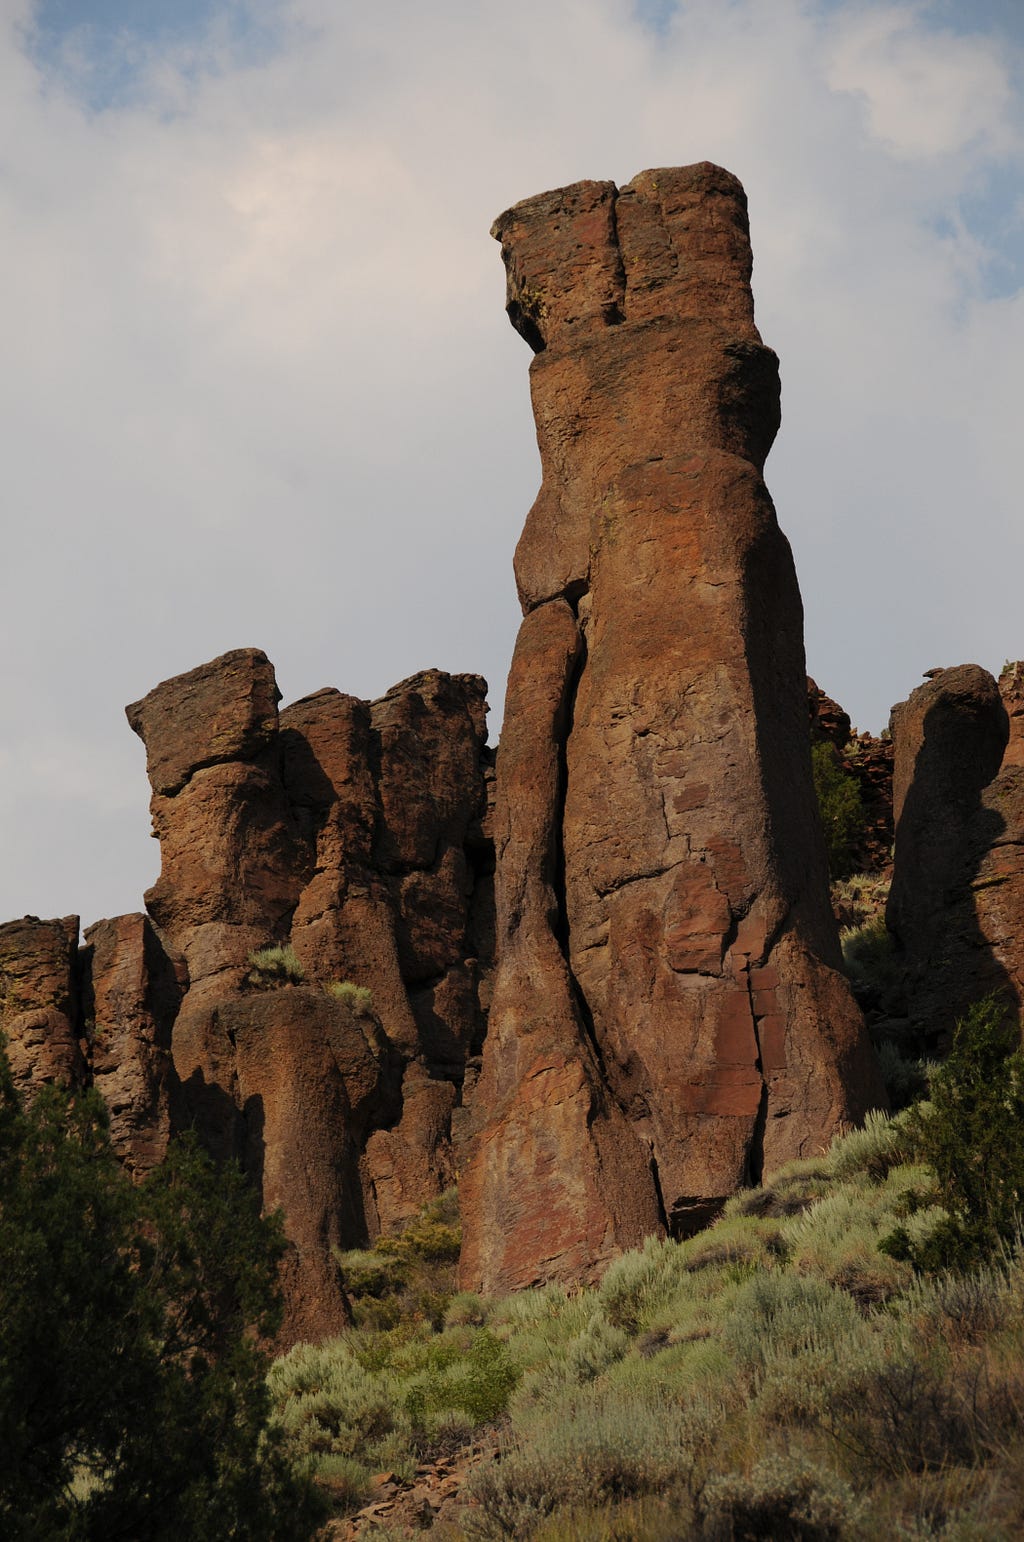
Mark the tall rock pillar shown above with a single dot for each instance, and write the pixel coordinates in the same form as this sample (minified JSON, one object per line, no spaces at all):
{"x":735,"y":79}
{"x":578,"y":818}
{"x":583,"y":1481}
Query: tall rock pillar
{"x":668,"y":1018}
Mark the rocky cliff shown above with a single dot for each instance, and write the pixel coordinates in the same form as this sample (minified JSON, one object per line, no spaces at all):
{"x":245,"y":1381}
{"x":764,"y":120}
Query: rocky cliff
{"x":311,"y":983}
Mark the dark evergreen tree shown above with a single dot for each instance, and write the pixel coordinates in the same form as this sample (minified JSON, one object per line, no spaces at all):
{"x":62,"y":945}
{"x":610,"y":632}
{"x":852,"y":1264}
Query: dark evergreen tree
{"x":132,"y":1396}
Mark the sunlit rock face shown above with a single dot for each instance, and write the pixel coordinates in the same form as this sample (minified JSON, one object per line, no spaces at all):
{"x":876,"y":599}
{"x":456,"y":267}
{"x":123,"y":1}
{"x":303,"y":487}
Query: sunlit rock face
{"x":668,"y":1017}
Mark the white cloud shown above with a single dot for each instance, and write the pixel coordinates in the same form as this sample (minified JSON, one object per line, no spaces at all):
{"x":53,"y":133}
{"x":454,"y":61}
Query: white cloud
{"x":925,"y":94}
{"x":259,"y":388}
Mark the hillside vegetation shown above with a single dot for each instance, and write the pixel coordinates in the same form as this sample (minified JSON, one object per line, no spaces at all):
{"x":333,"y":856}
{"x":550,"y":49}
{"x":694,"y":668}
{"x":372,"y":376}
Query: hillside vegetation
{"x":780,"y":1375}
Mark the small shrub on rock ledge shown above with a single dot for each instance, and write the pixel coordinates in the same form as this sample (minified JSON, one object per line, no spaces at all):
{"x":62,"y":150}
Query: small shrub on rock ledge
{"x":276,"y":965}
{"x":357,"y":998}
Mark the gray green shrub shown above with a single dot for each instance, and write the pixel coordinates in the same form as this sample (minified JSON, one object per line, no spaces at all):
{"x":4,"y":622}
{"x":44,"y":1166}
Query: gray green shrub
{"x":782,"y":1498}
{"x":358,"y":998}
{"x":274,"y":965}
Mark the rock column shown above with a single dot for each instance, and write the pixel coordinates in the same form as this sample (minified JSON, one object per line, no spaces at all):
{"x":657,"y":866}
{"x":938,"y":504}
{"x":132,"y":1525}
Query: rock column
{"x":668,"y":1017}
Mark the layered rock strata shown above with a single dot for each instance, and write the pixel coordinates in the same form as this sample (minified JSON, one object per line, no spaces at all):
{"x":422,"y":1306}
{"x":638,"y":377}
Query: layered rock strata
{"x":668,"y":1017}
{"x":956,"y":908}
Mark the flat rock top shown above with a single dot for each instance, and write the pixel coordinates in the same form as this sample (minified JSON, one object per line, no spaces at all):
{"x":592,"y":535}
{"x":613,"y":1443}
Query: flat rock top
{"x":672,"y":244}
{"x":224,"y":710}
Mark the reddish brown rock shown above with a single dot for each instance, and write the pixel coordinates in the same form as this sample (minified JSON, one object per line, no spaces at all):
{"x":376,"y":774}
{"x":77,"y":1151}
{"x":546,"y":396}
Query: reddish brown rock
{"x":231,"y":866}
{"x":351,"y":832}
{"x":39,"y":1008}
{"x":667,"y":1009}
{"x":132,"y":995}
{"x":956,"y":908}
{"x":395,"y":797}
{"x":288,"y":1082}
{"x":558,"y":1182}
{"x":1011,"y":690}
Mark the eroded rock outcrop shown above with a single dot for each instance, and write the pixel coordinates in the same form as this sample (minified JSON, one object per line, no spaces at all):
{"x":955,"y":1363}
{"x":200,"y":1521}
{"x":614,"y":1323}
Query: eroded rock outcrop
{"x":131,"y":993}
{"x":956,"y":909}
{"x":352,"y":833}
{"x":350,"y":837}
{"x":39,"y":1009}
{"x":668,"y":1016}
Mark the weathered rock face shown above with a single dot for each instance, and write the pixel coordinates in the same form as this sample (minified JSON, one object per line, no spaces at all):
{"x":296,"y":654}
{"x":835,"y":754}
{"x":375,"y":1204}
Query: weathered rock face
{"x":668,"y":1018}
{"x":39,"y":1013}
{"x":956,"y":909}
{"x":353,"y":833}
{"x":131,"y":994}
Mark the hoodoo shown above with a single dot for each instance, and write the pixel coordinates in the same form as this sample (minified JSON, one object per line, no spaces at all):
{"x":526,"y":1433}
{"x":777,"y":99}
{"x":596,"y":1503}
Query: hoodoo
{"x":668,"y":1019}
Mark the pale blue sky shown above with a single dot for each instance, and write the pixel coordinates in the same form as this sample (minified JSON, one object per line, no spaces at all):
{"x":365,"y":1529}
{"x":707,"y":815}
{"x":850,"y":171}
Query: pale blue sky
{"x":259,"y":388}
{"x":101,"y":48}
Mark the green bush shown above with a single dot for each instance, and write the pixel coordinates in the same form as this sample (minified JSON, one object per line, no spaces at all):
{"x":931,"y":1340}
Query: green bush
{"x":782,"y":1498}
{"x":595,"y":1454}
{"x":873,"y":968}
{"x":840,"y":806}
{"x":132,"y":1393}
{"x":881,"y":1144}
{"x":358,"y":998}
{"x":595,"y":1349}
{"x":477,"y":1383}
{"x":275,"y":965}
{"x":971,"y":1134}
{"x":407,"y":1277}
{"x":329,"y":1404}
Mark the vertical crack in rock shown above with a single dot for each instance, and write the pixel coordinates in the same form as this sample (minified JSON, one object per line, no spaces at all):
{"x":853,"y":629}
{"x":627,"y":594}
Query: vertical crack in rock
{"x":755,"y":1155}
{"x":680,"y":783}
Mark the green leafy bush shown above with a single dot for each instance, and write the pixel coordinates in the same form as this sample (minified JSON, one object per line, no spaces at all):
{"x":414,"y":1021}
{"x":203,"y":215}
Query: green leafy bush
{"x":407,"y":1277}
{"x":132,"y":1395}
{"x":871,"y":964}
{"x":971,"y":1134}
{"x":477,"y":1383}
{"x":839,"y":802}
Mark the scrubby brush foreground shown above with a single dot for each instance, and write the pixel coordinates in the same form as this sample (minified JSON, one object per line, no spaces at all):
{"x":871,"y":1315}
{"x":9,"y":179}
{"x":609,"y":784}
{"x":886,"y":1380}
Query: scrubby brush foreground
{"x":781,"y":1375}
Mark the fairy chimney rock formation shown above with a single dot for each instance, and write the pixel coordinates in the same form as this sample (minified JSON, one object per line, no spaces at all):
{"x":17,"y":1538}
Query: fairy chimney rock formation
{"x":668,"y":1017}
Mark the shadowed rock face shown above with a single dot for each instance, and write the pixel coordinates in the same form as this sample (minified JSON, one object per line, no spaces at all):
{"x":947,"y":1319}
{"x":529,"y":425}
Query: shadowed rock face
{"x":668,"y":1019}
{"x":131,"y":995}
{"x":956,"y":908}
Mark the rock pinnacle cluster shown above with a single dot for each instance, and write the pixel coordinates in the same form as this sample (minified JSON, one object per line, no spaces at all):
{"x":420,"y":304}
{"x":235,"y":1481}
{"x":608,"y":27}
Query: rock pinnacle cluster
{"x":593,"y":978}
